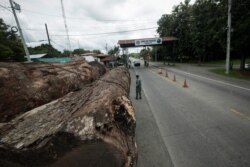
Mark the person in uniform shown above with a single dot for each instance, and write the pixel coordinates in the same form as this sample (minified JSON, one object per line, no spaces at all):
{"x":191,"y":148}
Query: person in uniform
{"x":138,"y":87}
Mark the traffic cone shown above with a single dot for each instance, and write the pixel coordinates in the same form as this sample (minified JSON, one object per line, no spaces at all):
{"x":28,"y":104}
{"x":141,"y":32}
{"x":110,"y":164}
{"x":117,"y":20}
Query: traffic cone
{"x":185,"y":84}
{"x":166,"y":74}
{"x":174,"y":78}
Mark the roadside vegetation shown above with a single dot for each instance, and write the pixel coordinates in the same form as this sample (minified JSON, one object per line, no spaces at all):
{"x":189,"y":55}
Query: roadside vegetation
{"x":233,"y":73}
{"x":11,"y":48}
{"x":222,"y":62}
{"x":201,"y":29}
{"x":10,"y":44}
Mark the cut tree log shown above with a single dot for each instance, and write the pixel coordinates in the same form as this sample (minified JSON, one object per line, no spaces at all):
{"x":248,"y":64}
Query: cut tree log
{"x":94,"y":126}
{"x":24,"y":86}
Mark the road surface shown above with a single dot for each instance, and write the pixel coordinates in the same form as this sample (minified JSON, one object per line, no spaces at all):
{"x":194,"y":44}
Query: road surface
{"x":204,"y":125}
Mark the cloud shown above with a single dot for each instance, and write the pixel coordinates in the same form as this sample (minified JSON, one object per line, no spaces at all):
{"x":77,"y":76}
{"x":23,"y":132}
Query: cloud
{"x":88,"y":17}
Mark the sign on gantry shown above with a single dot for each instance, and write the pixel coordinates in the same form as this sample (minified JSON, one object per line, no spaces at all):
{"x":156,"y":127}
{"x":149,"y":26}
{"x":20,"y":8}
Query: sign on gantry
{"x":148,"y":41}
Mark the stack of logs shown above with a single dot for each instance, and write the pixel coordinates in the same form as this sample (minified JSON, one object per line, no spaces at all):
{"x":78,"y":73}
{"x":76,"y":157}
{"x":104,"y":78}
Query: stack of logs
{"x":26,"y":86}
{"x":93,"y":124}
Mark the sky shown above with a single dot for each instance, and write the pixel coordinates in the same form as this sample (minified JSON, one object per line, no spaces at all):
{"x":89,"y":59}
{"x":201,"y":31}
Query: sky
{"x":92,"y":24}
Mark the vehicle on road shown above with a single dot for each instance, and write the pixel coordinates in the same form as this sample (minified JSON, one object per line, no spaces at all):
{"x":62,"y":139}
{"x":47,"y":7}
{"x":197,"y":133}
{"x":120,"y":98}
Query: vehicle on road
{"x":247,"y":66}
{"x":137,"y":63}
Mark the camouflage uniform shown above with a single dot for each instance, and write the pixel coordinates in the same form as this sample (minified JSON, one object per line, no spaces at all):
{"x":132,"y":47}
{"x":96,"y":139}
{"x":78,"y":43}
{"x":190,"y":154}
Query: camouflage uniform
{"x":138,"y":88}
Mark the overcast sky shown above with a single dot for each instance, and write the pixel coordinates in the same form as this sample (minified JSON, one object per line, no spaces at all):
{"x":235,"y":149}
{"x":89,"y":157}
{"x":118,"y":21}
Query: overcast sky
{"x":86,"y":18}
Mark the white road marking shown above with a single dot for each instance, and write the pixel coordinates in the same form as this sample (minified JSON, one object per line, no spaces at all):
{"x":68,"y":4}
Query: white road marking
{"x":221,"y":82}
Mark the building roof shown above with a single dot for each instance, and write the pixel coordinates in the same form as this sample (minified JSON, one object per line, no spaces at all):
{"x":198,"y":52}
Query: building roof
{"x":89,"y":58}
{"x":37,"y":56}
{"x":102,"y":55}
{"x":89,"y":54}
{"x":109,"y":58}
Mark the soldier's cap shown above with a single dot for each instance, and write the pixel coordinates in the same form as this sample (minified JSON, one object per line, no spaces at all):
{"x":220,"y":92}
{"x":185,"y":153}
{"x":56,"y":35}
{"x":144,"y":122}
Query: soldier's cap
{"x":137,"y":76}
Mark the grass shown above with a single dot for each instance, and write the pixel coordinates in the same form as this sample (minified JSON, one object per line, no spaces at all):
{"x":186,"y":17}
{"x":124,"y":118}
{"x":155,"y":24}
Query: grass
{"x":245,"y":75}
{"x":217,"y":62}
{"x":221,"y":62}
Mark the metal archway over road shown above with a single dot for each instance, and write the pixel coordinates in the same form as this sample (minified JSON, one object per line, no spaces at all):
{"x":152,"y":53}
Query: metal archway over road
{"x":143,"y":42}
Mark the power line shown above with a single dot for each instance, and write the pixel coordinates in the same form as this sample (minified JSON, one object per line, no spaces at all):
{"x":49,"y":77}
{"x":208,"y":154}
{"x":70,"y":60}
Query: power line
{"x":77,"y":30}
{"x":80,"y":28}
{"x":141,"y":29}
{"x":63,"y":47}
{"x":88,"y":37}
{"x":6,"y":8}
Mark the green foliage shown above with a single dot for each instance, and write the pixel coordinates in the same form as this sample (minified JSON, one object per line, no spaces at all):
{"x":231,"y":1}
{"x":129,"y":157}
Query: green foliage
{"x":5,"y":52}
{"x":66,"y":53}
{"x":201,"y":30}
{"x":97,"y":51}
{"x":82,"y":51}
{"x":10,"y":44}
{"x":233,"y":73}
{"x":45,"y":48}
{"x":79,"y":51}
{"x":134,"y":55}
{"x":114,"y":51}
{"x":144,"y":53}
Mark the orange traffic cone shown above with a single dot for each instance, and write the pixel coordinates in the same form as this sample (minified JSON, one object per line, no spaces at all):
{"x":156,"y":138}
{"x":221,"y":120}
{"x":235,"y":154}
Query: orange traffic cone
{"x":185,"y":84}
{"x":166,"y":74}
{"x":174,"y":78}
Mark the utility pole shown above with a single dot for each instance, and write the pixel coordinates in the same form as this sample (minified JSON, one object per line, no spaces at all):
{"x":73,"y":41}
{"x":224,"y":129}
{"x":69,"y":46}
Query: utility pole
{"x":106,"y":47}
{"x":50,"y":48}
{"x":47,"y":34}
{"x":155,"y":54}
{"x":78,"y":44}
{"x":228,"y":36}
{"x":66,"y":27}
{"x":17,"y":7}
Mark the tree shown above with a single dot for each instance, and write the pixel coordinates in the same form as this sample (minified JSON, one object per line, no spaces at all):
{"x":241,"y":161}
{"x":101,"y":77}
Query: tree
{"x":201,"y":30}
{"x":182,"y":28}
{"x":79,"y":51}
{"x":177,"y":24}
{"x":165,"y":25}
{"x":114,"y":51}
{"x":97,"y":51}
{"x":66,"y":53}
{"x":10,"y":44}
{"x":209,"y":33}
{"x":45,"y":48}
{"x":5,"y":52}
{"x":134,"y":55}
{"x":241,"y":26}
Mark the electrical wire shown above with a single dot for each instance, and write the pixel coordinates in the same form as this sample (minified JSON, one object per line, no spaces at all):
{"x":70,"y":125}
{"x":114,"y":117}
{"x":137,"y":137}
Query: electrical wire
{"x":63,"y":47}
{"x":141,"y":29}
{"x":5,"y":7}
{"x":139,"y":25}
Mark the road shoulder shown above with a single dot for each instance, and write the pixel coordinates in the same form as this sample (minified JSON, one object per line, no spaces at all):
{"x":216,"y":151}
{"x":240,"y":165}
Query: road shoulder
{"x":151,"y":148}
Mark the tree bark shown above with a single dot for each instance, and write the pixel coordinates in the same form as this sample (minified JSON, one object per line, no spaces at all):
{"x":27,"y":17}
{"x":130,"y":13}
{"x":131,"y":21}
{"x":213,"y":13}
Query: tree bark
{"x":24,"y":86}
{"x":94,"y":126}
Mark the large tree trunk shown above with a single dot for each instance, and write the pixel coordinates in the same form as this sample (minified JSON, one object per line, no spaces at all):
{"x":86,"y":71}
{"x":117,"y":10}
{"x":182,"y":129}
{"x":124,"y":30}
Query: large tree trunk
{"x":94,"y":126}
{"x":24,"y":86}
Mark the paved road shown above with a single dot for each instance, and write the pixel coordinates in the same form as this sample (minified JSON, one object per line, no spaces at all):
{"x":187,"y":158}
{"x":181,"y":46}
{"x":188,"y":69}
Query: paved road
{"x":205,"y":125}
{"x":204,"y":71}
